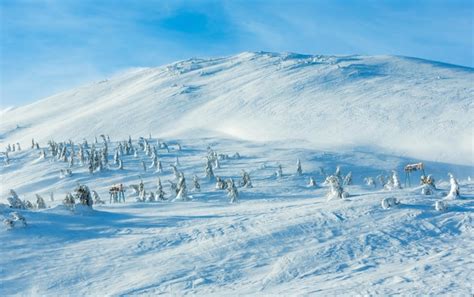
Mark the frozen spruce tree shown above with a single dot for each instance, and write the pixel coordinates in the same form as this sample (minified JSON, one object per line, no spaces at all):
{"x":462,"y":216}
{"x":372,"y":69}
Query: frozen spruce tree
{"x":154,"y":163}
{"x":246,"y":182}
{"x":279,"y":172}
{"x":160,"y":194}
{"x":40,"y":204}
{"x":175,"y":171}
{"x":299,"y":171}
{"x":393,"y":182}
{"x":14,"y":201}
{"x":454,"y":190}
{"x":181,"y":187}
{"x":69,"y":201}
{"x":116,"y":157}
{"x":220,"y":184}
{"x":335,"y":188}
{"x":196,"y":185}
{"x":232,"y":191}
{"x":84,"y":196}
{"x":348,"y":179}
{"x":312,"y":182}
{"x":209,"y":171}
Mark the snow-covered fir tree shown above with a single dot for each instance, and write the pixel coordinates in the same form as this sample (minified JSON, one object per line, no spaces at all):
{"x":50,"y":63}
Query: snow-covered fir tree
{"x":454,"y":188}
{"x":181,"y":187}
{"x":393,"y":182}
{"x":40,"y":204}
{"x":299,"y":171}
{"x":15,"y":201}
{"x":209,"y":171}
{"x":312,"y":182}
{"x":220,"y":184}
{"x":348,"y":179}
{"x":196,"y":185}
{"x":232,"y":191}
{"x":336,"y":190}
{"x":279,"y":172}
{"x":246,"y":182}
{"x":83,"y":194}
{"x":160,"y":194}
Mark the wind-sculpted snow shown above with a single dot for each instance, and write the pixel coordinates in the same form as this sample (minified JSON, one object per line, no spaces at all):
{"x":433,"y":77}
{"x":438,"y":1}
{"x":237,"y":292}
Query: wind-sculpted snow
{"x":281,"y":238}
{"x":398,"y":105}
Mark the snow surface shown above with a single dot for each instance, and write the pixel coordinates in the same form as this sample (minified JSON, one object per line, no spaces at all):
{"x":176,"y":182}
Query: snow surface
{"x":370,"y":115}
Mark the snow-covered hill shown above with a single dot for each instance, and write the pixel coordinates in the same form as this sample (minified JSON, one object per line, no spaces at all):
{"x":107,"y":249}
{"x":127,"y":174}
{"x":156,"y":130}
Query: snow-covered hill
{"x":369,"y":115}
{"x":400,"y":105}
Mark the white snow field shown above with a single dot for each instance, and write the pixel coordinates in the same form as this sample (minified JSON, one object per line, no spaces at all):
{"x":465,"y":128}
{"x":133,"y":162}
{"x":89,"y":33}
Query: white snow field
{"x":369,"y":115}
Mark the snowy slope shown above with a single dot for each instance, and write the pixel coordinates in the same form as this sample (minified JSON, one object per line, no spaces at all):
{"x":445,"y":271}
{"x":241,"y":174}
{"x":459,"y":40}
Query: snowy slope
{"x":399,"y":105}
{"x":370,"y":115}
{"x":283,"y":238}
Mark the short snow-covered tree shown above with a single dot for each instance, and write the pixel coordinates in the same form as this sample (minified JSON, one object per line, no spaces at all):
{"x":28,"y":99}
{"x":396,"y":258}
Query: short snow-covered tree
{"x":454,"y":188}
{"x":220,"y":184}
{"x":348,"y":179}
{"x":232,"y":191}
{"x":299,"y":171}
{"x":246,"y":182}
{"x":279,"y":172}
{"x":370,"y":181}
{"x":15,"y":220}
{"x":160,"y":194}
{"x":312,"y":182}
{"x":393,"y":182}
{"x":336,"y":190}
{"x":15,"y":201}
{"x":196,"y":185}
{"x":209,"y":171}
{"x":83,"y":194}
{"x":40,"y":204}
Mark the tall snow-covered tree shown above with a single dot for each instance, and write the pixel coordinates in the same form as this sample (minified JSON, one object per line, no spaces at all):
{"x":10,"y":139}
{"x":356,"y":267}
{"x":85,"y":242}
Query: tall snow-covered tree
{"x":299,"y":171}
{"x":209,"y":171}
{"x":196,"y":185}
{"x":454,"y":188}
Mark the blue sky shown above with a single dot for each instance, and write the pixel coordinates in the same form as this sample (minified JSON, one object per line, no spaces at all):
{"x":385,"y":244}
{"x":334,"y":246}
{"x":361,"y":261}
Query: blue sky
{"x":49,"y":46}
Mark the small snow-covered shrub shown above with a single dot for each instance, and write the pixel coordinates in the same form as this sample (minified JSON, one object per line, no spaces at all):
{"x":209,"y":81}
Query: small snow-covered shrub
{"x":370,"y":181}
{"x":440,"y":206}
{"x":389,"y":202}
{"x":427,"y":189}
{"x":15,"y":220}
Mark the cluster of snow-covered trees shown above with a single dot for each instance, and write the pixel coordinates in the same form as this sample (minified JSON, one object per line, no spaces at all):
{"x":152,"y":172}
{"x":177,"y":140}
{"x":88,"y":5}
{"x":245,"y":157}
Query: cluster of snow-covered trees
{"x":95,"y":157}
